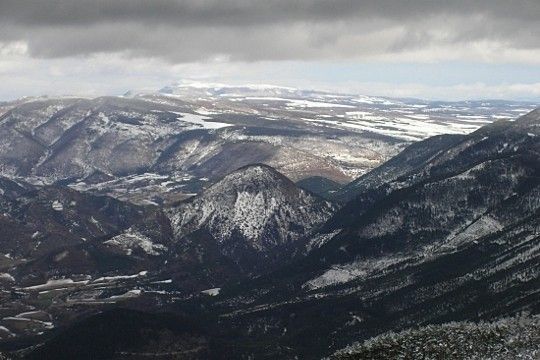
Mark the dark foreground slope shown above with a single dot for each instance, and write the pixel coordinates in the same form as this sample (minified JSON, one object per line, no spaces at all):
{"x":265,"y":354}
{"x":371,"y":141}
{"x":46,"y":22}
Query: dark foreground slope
{"x":128,"y":334}
{"x":509,"y":338}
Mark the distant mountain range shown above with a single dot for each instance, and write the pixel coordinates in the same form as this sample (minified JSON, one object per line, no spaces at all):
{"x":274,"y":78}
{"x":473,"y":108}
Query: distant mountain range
{"x":163,"y":147}
{"x":212,"y":221}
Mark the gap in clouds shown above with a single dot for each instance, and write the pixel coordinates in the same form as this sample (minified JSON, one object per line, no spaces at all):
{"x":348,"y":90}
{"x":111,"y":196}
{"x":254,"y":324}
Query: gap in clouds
{"x":114,"y":74}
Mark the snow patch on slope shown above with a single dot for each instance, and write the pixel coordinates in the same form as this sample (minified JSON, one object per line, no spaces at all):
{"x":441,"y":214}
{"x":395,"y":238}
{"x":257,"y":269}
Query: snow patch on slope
{"x":132,"y":240}
{"x":361,"y":269}
{"x":201,"y":121}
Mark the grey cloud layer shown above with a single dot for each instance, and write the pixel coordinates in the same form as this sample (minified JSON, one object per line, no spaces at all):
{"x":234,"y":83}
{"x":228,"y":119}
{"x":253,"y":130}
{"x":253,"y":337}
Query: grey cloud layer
{"x":193,"y":30}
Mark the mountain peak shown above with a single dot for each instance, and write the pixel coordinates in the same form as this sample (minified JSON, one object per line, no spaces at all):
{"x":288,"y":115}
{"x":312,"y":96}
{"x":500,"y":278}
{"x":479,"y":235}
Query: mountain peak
{"x":258,"y":170}
{"x":254,"y":211}
{"x":254,"y":175}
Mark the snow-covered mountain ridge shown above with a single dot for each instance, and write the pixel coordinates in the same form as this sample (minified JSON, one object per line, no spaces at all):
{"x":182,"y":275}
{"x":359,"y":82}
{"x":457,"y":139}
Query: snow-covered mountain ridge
{"x":254,"y":209}
{"x":453,"y":236}
{"x":175,"y":139}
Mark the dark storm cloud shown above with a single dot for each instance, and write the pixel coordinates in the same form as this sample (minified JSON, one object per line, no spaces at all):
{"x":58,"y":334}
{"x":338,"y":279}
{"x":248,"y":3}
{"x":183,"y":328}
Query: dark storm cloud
{"x":195,"y":30}
{"x":246,"y":12}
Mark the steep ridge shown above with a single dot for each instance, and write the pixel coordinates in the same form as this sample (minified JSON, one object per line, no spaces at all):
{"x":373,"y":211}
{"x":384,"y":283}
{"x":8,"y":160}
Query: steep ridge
{"x":456,"y":239}
{"x":438,"y":158}
{"x":71,"y":138}
{"x":411,"y":158}
{"x":255,"y":215}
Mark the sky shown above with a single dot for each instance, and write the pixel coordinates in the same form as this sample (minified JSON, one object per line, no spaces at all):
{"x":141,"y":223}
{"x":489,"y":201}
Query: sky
{"x":432,"y":49}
